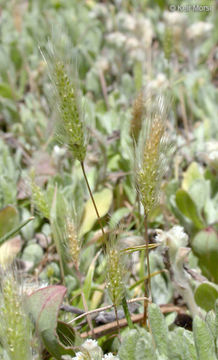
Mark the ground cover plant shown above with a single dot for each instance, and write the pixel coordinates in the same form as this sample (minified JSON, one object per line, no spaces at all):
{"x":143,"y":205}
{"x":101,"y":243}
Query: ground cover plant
{"x":108,"y":182}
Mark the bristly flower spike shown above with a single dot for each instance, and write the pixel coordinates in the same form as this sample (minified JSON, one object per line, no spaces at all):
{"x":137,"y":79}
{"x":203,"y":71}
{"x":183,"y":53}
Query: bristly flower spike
{"x":115,"y":273}
{"x":73,"y":242}
{"x":38,"y":197}
{"x":15,"y":328}
{"x":137,"y":115}
{"x":70,"y":127}
{"x":73,"y":130}
{"x":152,"y":154}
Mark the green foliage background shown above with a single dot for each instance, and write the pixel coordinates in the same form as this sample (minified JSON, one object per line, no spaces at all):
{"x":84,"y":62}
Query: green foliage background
{"x":117,"y":48}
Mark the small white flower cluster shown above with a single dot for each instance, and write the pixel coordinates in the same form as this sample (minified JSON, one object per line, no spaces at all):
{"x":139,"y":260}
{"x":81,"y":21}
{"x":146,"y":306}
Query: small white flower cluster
{"x":116,"y":38}
{"x":133,"y":36}
{"x":110,"y":356}
{"x":177,"y":22}
{"x":160,"y":82}
{"x":175,"y":18}
{"x":212,"y":154}
{"x":126,"y":22}
{"x":174,"y":238}
{"x":91,"y":351}
{"x":199,"y":30}
{"x":175,"y":232}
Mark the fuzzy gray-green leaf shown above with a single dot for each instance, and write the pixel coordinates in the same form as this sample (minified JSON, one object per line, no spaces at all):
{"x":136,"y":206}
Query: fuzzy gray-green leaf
{"x":158,"y":328}
{"x":204,"y":341}
{"x":127,"y":349}
{"x":181,"y":346}
{"x":144,"y":348}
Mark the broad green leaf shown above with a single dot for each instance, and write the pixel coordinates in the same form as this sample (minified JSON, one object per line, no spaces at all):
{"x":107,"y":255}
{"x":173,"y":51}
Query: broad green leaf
{"x":200,"y":186}
{"x":211,"y":322}
{"x":144,"y":347}
{"x":33,"y":253}
{"x":127,"y":348}
{"x":161,"y":3}
{"x":181,"y":345}
{"x":88,"y":280}
{"x":15,"y":230}
{"x":203,"y":340}
{"x":142,"y":280}
{"x":185,"y":222}
{"x":216,"y":323}
{"x":205,"y":247}
{"x":6,"y":91}
{"x":66,"y":334}
{"x":58,"y":215}
{"x":9,"y":250}
{"x":9,"y":219}
{"x":188,"y":208}
{"x":192,"y":174}
{"x":117,"y":216}
{"x":206,"y":295}
{"x":43,"y":305}
{"x":158,"y":328}
{"x":188,"y":337}
{"x":103,"y":200}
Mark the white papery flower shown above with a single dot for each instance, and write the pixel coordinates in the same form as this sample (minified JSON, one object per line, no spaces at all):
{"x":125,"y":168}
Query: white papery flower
{"x":137,"y":54}
{"x":146,"y":31}
{"x":90,"y":344}
{"x":132,"y":43}
{"x":126,"y":21}
{"x":110,"y":356}
{"x":79,"y":356}
{"x":211,"y":155}
{"x":99,"y":10}
{"x":199,"y":30}
{"x":175,"y":238}
{"x":174,"y":18}
{"x":176,"y":232}
{"x":159,"y":82}
{"x":116,"y":38}
{"x":103,"y":64}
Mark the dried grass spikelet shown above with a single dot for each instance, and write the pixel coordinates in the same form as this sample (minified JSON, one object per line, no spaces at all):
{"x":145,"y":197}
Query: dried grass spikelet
{"x":71,"y":129}
{"x":15,"y":329}
{"x":151,"y":154}
{"x":73,"y":242}
{"x":137,"y":115}
{"x":38,"y":198}
{"x":115,"y":272}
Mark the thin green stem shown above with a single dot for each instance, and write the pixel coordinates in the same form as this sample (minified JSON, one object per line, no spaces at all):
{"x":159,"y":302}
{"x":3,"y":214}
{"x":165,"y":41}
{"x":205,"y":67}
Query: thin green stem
{"x":148,"y":280}
{"x":92,"y":198}
{"x":89,"y":320}
{"x":118,"y":325}
{"x":127,"y":313}
{"x":57,"y":240}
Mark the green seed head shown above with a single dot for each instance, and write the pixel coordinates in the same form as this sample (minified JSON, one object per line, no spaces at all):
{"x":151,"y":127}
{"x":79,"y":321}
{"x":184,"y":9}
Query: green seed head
{"x":73,"y":243}
{"x":39,"y":198}
{"x":151,"y":156}
{"x":15,"y":330}
{"x":116,"y":274}
{"x":72,"y":127}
